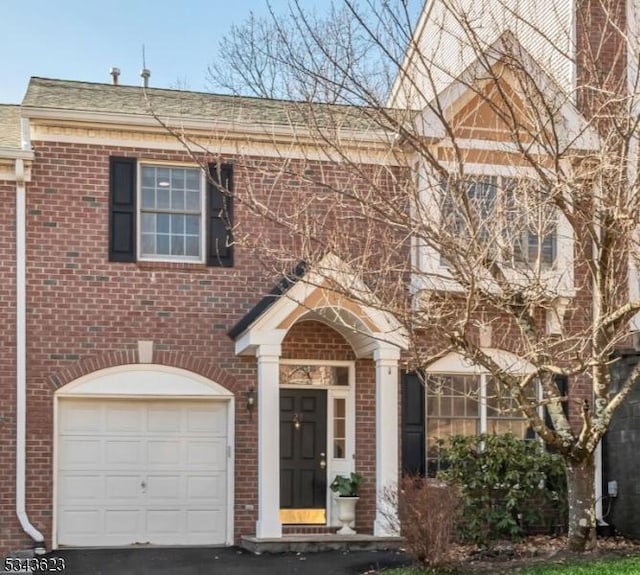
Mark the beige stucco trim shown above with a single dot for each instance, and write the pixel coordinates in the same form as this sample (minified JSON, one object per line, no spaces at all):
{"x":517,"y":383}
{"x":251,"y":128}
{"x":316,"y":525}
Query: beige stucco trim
{"x":321,"y":297}
{"x":225,"y":143}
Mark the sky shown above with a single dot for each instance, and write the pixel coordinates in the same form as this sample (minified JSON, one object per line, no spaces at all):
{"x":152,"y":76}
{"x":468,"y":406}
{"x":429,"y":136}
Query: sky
{"x":83,"y":39}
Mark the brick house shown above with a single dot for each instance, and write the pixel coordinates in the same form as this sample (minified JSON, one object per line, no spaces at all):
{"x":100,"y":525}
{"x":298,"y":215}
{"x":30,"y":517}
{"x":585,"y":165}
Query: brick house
{"x":158,"y":388}
{"x":136,"y":395}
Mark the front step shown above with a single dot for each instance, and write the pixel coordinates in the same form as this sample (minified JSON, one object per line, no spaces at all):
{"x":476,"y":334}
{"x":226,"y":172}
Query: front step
{"x":310,"y":543}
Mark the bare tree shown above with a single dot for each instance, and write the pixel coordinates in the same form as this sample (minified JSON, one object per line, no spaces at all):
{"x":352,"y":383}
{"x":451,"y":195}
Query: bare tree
{"x":504,"y":203}
{"x":302,"y":55}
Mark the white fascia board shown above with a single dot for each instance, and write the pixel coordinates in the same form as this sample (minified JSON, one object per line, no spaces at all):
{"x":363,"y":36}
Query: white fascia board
{"x":346,"y":277}
{"x":16,"y":154}
{"x":576,"y":132}
{"x":284,"y":305}
{"x":409,"y":55}
{"x":455,"y":362}
{"x":372,"y":137}
{"x":265,"y":328}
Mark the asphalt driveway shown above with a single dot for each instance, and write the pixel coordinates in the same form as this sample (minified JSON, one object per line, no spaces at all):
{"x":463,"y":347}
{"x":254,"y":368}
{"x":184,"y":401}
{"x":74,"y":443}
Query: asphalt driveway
{"x":227,"y":560}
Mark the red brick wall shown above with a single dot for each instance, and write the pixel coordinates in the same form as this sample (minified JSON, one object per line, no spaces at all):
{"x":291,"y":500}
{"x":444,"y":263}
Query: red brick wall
{"x":601,"y":53}
{"x":85,"y":313}
{"x":317,"y":341}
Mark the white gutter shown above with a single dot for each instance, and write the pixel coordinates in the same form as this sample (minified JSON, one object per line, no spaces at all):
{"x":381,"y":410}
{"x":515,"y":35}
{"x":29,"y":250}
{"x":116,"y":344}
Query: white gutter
{"x":21,"y":355}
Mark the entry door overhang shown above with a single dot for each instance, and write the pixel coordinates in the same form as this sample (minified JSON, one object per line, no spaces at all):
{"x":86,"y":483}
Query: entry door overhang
{"x":332,"y":293}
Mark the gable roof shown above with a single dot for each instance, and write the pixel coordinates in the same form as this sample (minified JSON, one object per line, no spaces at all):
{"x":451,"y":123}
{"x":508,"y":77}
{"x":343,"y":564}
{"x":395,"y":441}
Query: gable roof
{"x":573,"y":129}
{"x":329,"y":291}
{"x":281,"y":288}
{"x":44,"y":94}
{"x":10,"y":127}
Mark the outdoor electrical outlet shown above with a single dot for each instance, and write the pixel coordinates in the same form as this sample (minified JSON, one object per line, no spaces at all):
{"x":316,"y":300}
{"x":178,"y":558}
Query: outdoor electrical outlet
{"x":612,"y":488}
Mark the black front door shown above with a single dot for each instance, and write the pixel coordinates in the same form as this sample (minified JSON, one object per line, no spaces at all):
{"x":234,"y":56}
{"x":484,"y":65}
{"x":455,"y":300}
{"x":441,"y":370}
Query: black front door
{"x":303,"y":449}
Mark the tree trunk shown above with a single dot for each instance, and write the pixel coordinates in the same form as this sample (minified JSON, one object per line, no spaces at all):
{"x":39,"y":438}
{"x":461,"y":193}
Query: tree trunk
{"x":581,"y":499}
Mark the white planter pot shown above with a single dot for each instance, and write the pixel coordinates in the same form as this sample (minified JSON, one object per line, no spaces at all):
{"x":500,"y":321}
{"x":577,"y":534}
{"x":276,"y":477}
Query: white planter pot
{"x":346,"y":514}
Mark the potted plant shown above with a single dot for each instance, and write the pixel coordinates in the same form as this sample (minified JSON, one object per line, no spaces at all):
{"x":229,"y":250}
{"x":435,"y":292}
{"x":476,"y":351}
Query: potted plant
{"x":347,"y":490}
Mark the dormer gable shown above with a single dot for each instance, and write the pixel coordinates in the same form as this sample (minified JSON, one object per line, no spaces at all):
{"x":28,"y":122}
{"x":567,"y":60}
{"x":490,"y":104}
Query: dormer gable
{"x":505,"y":96}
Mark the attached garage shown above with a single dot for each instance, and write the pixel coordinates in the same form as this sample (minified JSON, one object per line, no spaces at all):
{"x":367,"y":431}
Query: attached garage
{"x":143,"y":468}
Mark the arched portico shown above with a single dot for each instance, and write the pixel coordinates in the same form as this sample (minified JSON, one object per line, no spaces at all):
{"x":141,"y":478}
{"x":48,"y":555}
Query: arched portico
{"x":371,"y":333}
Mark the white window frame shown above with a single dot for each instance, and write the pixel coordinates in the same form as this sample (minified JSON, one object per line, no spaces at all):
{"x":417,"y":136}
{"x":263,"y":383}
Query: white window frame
{"x":482,"y":407}
{"x":482,"y":395}
{"x":343,"y":465}
{"x":453,"y":364}
{"x":203,"y":219}
{"x":500,"y":184}
{"x":431,"y":274}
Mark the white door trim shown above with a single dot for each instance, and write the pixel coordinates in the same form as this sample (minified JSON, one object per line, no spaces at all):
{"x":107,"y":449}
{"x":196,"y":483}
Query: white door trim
{"x":347,"y":465}
{"x":96,"y":386}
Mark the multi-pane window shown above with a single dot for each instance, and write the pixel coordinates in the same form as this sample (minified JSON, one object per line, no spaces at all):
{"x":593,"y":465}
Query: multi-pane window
{"x":503,"y":414}
{"x":452,"y":405}
{"x":314,"y":375}
{"x":339,"y":427}
{"x":511,"y":220}
{"x":468,"y":405}
{"x":171,"y":212}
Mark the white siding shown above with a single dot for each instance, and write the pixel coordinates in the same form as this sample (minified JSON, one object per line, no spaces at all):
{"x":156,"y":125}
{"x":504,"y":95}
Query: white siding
{"x":455,"y":31}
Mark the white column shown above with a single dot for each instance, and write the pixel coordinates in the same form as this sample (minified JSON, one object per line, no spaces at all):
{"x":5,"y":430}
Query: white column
{"x":387,"y":462}
{"x":268,"y":524}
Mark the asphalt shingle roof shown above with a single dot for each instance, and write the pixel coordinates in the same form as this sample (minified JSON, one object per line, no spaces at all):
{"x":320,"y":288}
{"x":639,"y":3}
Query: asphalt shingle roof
{"x":9,"y":126}
{"x":91,"y":97}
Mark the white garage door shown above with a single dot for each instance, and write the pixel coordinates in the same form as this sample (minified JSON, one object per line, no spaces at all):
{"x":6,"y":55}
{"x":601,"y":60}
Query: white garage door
{"x":140,"y":471}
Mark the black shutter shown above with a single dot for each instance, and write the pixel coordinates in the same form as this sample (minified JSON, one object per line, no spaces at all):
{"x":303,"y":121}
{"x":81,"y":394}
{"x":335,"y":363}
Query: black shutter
{"x":122,"y":209}
{"x":413,"y":425}
{"x":220,"y":216}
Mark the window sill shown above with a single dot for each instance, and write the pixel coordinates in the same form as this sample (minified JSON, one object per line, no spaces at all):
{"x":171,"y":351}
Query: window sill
{"x":177,"y":266}
{"x":439,"y":279}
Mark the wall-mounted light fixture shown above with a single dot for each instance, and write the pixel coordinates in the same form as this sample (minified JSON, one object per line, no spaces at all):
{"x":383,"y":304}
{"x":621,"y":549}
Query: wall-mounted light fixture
{"x":251,"y":400}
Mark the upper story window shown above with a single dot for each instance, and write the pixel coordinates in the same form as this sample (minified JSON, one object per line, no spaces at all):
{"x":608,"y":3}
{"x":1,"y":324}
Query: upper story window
{"x":509,"y":219}
{"x":171,"y":213}
{"x":162,"y":212}
{"x":494,"y":218}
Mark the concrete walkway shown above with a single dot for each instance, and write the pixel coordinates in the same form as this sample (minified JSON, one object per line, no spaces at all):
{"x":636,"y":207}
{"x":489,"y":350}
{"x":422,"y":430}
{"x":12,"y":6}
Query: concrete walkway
{"x":227,"y":560}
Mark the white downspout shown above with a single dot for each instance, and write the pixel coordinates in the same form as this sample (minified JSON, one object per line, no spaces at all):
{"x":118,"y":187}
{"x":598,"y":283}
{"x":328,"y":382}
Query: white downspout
{"x":21,"y":357}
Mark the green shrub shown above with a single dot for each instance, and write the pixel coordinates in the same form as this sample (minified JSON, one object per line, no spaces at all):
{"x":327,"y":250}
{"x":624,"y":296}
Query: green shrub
{"x":508,"y":486}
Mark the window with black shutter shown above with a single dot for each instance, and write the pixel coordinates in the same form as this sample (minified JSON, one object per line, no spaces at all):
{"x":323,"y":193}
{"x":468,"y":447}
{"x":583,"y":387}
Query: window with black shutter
{"x":161,"y":212}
